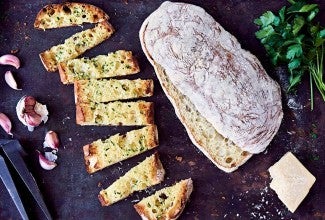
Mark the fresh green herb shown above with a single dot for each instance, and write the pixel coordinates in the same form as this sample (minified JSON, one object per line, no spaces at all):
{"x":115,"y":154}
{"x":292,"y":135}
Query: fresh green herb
{"x":293,"y":38}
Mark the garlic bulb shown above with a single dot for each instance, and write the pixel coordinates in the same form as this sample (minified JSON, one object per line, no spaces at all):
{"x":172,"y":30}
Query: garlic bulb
{"x":30,"y":112}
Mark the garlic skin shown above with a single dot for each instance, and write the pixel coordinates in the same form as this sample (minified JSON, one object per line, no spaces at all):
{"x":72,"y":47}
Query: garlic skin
{"x":30,"y":112}
{"x":51,"y":140}
{"x":5,"y":123}
{"x":10,"y":59}
{"x":51,"y":156}
{"x":10,"y":80}
{"x":45,"y":163}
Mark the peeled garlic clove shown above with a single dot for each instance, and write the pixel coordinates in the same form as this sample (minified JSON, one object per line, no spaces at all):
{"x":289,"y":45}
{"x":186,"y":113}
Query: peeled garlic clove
{"x":5,"y":123}
{"x":51,"y":140}
{"x":45,"y":163}
{"x":10,"y":80}
{"x":10,"y":59}
{"x":30,"y":112}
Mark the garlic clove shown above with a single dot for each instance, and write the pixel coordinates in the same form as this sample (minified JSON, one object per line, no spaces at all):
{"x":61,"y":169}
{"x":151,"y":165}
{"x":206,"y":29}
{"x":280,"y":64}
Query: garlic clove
{"x":51,"y":140}
{"x":10,"y":80}
{"x":10,"y":59}
{"x":5,"y":123}
{"x":51,"y":156}
{"x":30,"y":112}
{"x":45,"y":163}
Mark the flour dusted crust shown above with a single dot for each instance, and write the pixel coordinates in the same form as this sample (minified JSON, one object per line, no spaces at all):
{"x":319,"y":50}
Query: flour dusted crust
{"x":68,"y":14}
{"x":226,"y":84}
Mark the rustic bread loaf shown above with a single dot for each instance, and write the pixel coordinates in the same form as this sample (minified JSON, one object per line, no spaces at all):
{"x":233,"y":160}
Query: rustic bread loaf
{"x":104,"y":90}
{"x":103,"y":153}
{"x":147,"y":173}
{"x":118,"y":63}
{"x":68,"y":14}
{"x":75,"y":45}
{"x":115,"y":113}
{"x":226,"y":84}
{"x":167,"y":203}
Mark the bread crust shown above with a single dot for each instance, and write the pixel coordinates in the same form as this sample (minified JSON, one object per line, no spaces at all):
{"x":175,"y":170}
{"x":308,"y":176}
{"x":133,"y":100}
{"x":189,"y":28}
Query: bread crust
{"x":80,"y":118}
{"x":45,"y":18}
{"x":62,"y":67}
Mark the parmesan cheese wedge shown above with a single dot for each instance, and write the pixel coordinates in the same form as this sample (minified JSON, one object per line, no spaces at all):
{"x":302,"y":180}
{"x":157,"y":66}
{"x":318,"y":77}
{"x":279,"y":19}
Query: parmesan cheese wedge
{"x":291,"y":181}
{"x":76,"y":45}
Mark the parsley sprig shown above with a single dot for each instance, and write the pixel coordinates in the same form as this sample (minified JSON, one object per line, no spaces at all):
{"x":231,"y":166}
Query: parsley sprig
{"x":292,"y":37}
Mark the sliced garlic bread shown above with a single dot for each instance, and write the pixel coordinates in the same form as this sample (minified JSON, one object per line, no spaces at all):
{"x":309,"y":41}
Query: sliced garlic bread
{"x":68,"y":14}
{"x":147,"y":173}
{"x":104,"y":90}
{"x":118,"y":63}
{"x":115,"y":113}
{"x":167,"y":203}
{"x":103,"y":153}
{"x":221,"y":151}
{"x":75,"y":45}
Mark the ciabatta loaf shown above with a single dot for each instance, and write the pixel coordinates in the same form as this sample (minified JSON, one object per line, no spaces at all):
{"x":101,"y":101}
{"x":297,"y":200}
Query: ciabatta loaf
{"x":147,"y":173}
{"x":115,"y":113}
{"x":118,"y":63}
{"x":104,"y":90}
{"x":103,"y":153}
{"x":226,"y":84}
{"x":167,"y":203}
{"x":75,"y":45}
{"x":68,"y":14}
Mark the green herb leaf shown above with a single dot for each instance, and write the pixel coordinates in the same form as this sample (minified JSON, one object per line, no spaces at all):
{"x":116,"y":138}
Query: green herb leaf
{"x":294,"y":51}
{"x":266,"y":19}
{"x":298,"y":23}
{"x":264,"y":32}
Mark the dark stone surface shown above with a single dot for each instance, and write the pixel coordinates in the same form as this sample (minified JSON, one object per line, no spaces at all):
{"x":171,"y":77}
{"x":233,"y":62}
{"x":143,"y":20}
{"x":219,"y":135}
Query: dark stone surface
{"x":71,"y":193}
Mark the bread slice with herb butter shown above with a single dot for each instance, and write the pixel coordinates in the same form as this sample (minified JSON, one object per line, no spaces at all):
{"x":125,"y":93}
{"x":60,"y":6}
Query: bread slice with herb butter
{"x":118,"y":63}
{"x":68,"y":14}
{"x":167,"y":203}
{"x":104,"y":90}
{"x":147,"y":173}
{"x":115,"y":113}
{"x":104,"y":153}
{"x":76,"y":45}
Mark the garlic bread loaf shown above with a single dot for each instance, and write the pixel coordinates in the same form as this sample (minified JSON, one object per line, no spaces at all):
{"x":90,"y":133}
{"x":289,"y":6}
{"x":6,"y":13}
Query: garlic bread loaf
{"x":167,"y":203}
{"x":68,"y":14}
{"x":115,"y":113}
{"x":103,"y":153}
{"x":76,"y":45}
{"x":118,"y":63}
{"x":226,"y":86}
{"x":147,"y":173}
{"x":103,"y":90}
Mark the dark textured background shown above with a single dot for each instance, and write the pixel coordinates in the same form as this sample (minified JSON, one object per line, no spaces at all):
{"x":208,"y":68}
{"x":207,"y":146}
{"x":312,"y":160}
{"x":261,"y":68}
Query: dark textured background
{"x":71,"y":193}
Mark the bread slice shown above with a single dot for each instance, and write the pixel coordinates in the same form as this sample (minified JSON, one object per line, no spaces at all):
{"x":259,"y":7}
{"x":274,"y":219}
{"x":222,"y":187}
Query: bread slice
{"x":115,"y":113}
{"x":103,"y":153}
{"x":147,"y":173}
{"x":167,"y":203}
{"x":111,"y":90}
{"x":75,"y":45}
{"x":119,"y":63}
{"x":68,"y":14}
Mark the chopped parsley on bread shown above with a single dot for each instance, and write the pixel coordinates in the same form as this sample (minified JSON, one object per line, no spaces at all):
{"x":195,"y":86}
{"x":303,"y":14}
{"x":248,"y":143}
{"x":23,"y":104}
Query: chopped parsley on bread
{"x":147,"y":173}
{"x":118,"y":63}
{"x":68,"y":14}
{"x":104,"y":153}
{"x":104,"y":90}
{"x":115,"y":113}
{"x":75,"y":45}
{"x":167,"y":203}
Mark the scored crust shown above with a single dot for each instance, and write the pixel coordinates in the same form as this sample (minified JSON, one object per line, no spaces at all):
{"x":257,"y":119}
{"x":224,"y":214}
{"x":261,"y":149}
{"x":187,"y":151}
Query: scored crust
{"x":68,"y":14}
